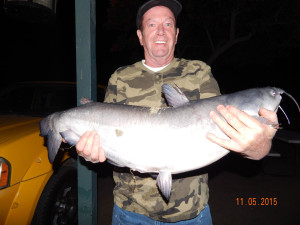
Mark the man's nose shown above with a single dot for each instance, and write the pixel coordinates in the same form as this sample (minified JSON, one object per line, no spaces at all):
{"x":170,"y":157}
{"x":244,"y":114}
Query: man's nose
{"x":160,"y":29}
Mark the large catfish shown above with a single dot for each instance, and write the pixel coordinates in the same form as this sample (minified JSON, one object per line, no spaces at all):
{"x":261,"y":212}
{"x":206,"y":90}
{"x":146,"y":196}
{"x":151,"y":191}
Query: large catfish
{"x":164,"y":141}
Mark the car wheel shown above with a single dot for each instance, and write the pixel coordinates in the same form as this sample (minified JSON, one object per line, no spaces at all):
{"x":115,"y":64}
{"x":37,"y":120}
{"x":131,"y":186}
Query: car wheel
{"x":58,"y":202}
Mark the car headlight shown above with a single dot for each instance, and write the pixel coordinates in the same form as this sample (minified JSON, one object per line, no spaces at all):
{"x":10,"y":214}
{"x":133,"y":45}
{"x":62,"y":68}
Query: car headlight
{"x":5,"y":171}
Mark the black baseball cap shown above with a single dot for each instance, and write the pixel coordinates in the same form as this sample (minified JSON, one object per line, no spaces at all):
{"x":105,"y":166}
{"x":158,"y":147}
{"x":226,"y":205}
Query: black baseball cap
{"x":173,"y":5}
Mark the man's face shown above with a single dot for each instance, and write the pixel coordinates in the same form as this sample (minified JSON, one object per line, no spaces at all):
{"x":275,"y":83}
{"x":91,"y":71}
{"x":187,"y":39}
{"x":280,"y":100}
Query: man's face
{"x":159,"y":33}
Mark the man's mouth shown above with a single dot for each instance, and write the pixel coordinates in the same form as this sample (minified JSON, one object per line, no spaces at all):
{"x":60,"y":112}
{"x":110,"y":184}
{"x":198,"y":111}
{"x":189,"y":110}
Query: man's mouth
{"x":160,"y":42}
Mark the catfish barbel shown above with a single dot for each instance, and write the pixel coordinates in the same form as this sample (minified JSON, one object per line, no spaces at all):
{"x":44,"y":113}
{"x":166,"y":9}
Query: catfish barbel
{"x":162,"y":141}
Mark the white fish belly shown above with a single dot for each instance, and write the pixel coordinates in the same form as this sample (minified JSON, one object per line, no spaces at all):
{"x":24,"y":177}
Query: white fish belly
{"x":153,"y":149}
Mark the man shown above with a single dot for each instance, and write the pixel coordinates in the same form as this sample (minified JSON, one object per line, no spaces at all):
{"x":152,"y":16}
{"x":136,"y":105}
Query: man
{"x":136,"y":196}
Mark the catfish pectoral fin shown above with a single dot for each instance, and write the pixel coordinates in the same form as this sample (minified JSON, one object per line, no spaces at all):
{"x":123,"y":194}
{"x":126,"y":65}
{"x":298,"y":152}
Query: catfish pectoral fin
{"x":164,"y":183}
{"x":70,"y":137}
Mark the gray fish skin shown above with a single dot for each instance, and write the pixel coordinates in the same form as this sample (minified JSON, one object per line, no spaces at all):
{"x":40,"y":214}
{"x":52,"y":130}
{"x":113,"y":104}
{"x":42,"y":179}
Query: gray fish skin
{"x":165,"y":141}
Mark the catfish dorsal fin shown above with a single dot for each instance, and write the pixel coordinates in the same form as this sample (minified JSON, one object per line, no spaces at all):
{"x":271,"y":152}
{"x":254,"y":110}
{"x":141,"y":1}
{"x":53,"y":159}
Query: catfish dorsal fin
{"x":175,"y":97}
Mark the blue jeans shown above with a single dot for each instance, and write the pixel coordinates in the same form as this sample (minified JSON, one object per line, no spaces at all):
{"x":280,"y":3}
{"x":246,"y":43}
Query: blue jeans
{"x":123,"y":217}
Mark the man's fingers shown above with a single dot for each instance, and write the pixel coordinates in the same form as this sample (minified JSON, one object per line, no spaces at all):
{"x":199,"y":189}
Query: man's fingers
{"x":227,"y":144}
{"x":81,"y":143}
{"x":95,"y":148}
{"x":227,"y":128}
{"x":84,"y":145}
{"x":243,"y":118}
{"x":89,"y":147}
{"x":270,"y":115}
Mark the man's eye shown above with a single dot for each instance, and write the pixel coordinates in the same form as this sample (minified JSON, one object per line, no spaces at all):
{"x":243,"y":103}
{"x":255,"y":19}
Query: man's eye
{"x":168,"y":24}
{"x":151,"y":25}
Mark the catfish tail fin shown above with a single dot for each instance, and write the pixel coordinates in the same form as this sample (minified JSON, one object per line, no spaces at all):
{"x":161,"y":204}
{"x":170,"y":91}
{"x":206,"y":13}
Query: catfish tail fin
{"x":53,"y":138}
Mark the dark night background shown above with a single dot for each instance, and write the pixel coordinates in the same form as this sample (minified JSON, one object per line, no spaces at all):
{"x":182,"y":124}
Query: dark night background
{"x":248,"y":43}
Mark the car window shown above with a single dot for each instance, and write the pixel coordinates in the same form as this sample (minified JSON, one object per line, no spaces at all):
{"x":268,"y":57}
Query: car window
{"x":40,"y":99}
{"x":17,"y":100}
{"x":53,"y":99}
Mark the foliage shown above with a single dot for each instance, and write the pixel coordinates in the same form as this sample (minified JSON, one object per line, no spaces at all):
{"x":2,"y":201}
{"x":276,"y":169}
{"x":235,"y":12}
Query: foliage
{"x":216,"y":31}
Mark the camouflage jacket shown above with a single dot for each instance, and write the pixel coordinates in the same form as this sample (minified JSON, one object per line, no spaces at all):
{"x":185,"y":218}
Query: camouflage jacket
{"x":137,"y":85}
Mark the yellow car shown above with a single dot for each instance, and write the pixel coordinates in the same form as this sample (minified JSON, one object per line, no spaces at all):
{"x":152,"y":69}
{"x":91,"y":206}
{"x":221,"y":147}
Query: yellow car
{"x":32,"y":191}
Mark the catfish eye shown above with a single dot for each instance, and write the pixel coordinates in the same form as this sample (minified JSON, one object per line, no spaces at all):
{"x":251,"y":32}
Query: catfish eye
{"x":273,"y":93}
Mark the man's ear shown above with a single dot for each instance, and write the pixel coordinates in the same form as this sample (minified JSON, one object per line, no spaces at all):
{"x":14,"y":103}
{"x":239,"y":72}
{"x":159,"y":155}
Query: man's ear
{"x":177,"y":32}
{"x":140,"y":36}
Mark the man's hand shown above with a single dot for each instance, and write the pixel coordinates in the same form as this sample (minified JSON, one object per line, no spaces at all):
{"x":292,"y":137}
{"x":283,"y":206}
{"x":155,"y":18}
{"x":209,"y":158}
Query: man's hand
{"x":247,"y":135}
{"x":89,"y":147}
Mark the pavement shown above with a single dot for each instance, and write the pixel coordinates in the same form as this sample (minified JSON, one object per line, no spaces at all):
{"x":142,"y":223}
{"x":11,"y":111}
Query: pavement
{"x":242,"y":191}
